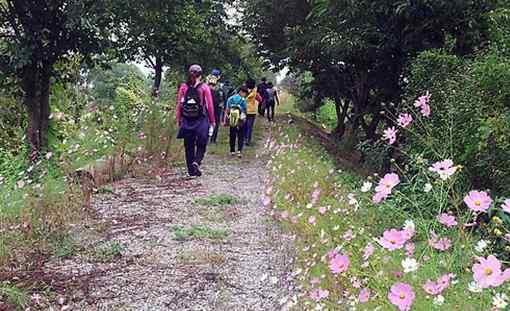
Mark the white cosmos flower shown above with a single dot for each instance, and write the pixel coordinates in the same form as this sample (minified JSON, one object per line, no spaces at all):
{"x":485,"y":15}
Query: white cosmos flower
{"x":427,"y":188}
{"x":474,"y":287}
{"x":409,"y":225}
{"x":481,"y":246}
{"x":367,"y":186}
{"x":500,"y":301}
{"x":410,"y":265}
{"x":439,"y":300}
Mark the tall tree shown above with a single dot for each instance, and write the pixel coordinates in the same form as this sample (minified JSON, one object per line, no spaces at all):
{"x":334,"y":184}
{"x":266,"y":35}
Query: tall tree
{"x":36,"y":34}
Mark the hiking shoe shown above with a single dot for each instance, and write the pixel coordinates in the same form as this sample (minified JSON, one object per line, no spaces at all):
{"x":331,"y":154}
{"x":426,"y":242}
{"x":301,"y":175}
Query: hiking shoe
{"x":232,"y":153}
{"x":196,"y":166}
{"x":239,"y":154}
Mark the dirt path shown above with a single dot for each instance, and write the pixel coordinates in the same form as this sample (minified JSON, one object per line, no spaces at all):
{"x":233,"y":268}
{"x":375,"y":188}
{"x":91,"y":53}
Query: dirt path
{"x":175,"y":243}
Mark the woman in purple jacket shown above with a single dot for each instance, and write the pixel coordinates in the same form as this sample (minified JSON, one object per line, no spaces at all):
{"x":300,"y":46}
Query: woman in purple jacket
{"x":195,"y":118}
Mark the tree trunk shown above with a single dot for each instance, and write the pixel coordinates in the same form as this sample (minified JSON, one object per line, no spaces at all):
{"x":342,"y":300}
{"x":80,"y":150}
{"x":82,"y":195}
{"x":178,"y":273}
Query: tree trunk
{"x":158,"y":76}
{"x":36,"y":88}
{"x":341,"y":113}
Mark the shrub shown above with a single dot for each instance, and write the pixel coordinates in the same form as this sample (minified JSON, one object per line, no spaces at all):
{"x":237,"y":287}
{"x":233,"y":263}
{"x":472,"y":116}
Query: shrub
{"x":471,"y":114}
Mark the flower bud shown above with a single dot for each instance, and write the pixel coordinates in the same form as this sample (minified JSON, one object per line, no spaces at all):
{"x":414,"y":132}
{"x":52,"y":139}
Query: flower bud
{"x":498,"y":232}
{"x":497,"y":220}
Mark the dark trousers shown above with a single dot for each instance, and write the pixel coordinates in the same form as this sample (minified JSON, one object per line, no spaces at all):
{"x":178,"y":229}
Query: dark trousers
{"x":195,"y":146}
{"x":248,"y":127}
{"x":214,"y":137}
{"x":270,"y":110}
{"x":237,"y":134}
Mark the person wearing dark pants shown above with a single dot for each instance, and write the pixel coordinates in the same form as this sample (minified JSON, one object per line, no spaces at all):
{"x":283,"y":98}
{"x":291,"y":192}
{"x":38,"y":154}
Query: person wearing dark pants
{"x":237,"y":134}
{"x":218,"y":99}
{"x":252,"y":101}
{"x":235,"y":116}
{"x":272,"y":101}
{"x":195,"y":118}
{"x":261,"y":89}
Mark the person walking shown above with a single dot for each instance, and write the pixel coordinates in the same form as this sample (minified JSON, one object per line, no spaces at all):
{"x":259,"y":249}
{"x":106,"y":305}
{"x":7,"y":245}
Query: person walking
{"x":219,"y":102}
{"x":261,"y":89}
{"x":235,"y":117}
{"x":272,"y":100}
{"x":195,"y":118}
{"x":253,"y":101}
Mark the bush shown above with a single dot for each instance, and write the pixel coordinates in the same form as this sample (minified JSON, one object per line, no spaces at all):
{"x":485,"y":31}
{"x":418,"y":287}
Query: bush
{"x":471,"y":114}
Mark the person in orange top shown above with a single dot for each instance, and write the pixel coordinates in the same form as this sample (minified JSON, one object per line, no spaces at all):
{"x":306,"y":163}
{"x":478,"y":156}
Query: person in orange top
{"x":253,"y":100}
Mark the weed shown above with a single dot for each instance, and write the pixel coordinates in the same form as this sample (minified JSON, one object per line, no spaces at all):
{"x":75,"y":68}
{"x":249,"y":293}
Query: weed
{"x":108,"y":251}
{"x":200,"y":257}
{"x":14,"y":296}
{"x":217,"y":200}
{"x":64,"y":246}
{"x":198,"y":232}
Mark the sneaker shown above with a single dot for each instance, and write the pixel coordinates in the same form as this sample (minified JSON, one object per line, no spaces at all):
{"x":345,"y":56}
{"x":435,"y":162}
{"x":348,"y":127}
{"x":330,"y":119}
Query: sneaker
{"x":196,"y":166}
{"x":232,"y":153}
{"x":239,"y":154}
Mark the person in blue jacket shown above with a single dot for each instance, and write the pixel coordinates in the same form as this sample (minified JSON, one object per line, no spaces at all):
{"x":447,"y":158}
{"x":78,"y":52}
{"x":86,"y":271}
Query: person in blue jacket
{"x":235,"y":117}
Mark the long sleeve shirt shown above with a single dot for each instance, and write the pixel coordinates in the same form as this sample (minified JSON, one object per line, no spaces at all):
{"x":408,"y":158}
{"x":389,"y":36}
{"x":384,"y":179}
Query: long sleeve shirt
{"x":206,"y":97}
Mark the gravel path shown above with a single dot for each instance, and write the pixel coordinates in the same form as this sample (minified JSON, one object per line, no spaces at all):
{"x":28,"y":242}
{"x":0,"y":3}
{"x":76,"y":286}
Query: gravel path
{"x":139,"y":252}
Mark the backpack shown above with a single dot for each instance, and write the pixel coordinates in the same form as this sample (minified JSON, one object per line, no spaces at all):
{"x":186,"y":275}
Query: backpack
{"x":219,"y":98}
{"x":192,"y":106}
{"x":236,"y":117}
{"x":270,"y":95}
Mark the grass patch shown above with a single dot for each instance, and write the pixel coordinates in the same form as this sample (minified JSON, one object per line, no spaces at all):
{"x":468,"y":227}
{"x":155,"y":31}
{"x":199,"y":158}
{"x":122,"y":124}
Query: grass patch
{"x":199,"y":233}
{"x":344,"y":218}
{"x":64,"y":246}
{"x":200,"y":257}
{"x":14,"y":296}
{"x":107,"y":252}
{"x":217,"y":200}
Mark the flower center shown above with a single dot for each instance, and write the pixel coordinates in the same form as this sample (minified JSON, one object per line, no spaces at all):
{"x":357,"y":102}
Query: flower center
{"x":478,"y":203}
{"x":402,"y":296}
{"x":393,"y":242}
{"x":488,"y":271}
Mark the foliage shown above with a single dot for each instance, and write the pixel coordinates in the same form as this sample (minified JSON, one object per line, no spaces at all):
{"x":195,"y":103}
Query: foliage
{"x":199,"y":232}
{"x":470,"y":100}
{"x":217,"y":200}
{"x":358,"y":52}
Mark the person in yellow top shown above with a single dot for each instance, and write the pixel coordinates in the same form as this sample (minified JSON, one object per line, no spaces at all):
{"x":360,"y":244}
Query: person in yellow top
{"x":253,"y":100}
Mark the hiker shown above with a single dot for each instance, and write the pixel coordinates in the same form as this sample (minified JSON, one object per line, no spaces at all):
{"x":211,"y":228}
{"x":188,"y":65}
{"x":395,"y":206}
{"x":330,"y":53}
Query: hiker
{"x":195,"y":118}
{"x":253,"y":101}
{"x":271,"y":101}
{"x":235,"y":117}
{"x":261,"y":89}
{"x":219,"y":102}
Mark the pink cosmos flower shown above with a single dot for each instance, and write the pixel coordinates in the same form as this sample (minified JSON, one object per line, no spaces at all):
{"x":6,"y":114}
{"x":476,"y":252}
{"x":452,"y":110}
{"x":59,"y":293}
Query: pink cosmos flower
{"x":379,"y":197}
{"x":402,"y":296}
{"x":390,"y":134}
{"x":284,"y":215}
{"x":447,"y":220}
{"x":423,"y":100}
{"x":410,"y":248}
{"x":487,"y":272}
{"x":506,"y":206}
{"x":445,"y":169}
{"x":312,"y":220}
{"x":322,"y":210}
{"x":478,"y":201}
{"x":423,"y":103}
{"x":404,"y":120}
{"x":294,"y":219}
{"x":425,"y":110}
{"x":368,"y":251}
{"x":393,"y":239}
{"x":315,"y":196}
{"x":348,"y":235}
{"x":266,"y":201}
{"x":437,"y":287}
{"x":319,"y":294}
{"x":364,"y":295}
{"x":441,"y":244}
{"x":387,"y":184}
{"x":339,"y":264}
